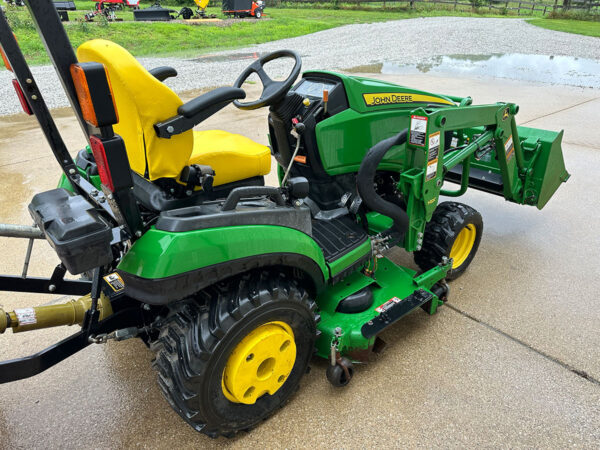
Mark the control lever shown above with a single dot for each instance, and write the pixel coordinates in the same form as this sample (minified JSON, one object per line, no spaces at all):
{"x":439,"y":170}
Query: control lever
{"x":356,"y":204}
{"x":197,"y":175}
{"x":297,"y":130}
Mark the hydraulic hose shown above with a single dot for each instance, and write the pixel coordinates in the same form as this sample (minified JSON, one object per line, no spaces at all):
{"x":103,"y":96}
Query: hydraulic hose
{"x":365,"y":182}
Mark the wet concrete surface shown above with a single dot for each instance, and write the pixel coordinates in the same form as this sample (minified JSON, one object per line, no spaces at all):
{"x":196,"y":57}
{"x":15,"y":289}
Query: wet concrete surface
{"x":513,"y":361}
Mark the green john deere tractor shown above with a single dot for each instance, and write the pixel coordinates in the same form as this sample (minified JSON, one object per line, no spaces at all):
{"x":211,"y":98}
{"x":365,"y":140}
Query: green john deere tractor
{"x":235,"y":285}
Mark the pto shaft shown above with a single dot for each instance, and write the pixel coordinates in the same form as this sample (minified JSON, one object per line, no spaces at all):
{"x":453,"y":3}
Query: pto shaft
{"x":38,"y":317}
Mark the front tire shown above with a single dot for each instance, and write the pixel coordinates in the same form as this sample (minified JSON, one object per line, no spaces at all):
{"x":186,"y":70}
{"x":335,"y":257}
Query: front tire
{"x":200,"y":337}
{"x":454,"y":232}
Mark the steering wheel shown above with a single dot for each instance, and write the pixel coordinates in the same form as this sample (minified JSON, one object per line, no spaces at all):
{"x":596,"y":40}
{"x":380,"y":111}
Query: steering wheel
{"x":272,"y":90}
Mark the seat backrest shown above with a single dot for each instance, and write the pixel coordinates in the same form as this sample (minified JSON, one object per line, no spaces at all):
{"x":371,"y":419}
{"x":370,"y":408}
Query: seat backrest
{"x":141,"y":102}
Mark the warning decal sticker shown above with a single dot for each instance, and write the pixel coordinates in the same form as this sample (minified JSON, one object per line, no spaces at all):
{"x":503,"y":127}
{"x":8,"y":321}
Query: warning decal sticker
{"x":26,"y":316}
{"x":434,"y":146}
{"x":431,"y":170}
{"x":432,"y":156}
{"x":115,"y":281}
{"x":509,"y":149}
{"x":418,"y":130}
{"x":387,"y":305}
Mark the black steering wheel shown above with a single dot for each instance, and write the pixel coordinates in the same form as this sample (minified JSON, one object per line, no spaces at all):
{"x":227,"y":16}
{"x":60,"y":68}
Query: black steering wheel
{"x":272,"y":90}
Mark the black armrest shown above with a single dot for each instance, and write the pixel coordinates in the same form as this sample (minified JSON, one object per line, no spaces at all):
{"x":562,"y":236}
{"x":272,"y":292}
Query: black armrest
{"x":219,"y":97}
{"x":195,"y":111}
{"x":163,"y":72}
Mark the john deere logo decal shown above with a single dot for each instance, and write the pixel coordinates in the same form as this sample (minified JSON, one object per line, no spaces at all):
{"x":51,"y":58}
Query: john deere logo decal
{"x":396,"y":98}
{"x":505,"y":114}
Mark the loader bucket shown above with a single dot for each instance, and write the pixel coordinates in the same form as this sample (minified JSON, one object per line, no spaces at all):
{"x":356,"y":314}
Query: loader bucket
{"x":542,"y":152}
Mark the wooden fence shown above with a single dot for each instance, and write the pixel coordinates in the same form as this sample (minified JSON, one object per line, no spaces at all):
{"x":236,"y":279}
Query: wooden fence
{"x":521,"y":7}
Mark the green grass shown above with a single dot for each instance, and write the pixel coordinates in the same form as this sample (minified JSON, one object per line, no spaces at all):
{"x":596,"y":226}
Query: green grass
{"x":586,"y":28}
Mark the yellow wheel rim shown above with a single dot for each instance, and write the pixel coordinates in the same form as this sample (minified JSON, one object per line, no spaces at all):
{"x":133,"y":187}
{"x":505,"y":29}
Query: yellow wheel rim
{"x":461,"y":249}
{"x":260,"y":363}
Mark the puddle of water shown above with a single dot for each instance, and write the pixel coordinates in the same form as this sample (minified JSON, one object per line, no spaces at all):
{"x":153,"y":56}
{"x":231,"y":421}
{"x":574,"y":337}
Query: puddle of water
{"x":229,"y":57}
{"x":565,"y":70}
{"x":368,"y":68}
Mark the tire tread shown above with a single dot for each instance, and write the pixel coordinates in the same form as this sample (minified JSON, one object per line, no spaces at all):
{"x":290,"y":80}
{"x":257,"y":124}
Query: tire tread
{"x":193,"y":329}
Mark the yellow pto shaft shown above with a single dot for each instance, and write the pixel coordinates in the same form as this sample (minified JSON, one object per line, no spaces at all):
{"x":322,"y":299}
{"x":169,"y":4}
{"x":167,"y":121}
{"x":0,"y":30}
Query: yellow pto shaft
{"x":38,"y":317}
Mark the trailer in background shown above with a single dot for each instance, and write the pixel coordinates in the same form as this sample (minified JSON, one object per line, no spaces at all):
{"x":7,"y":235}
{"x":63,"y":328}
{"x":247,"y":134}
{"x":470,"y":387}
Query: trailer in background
{"x":243,"y":8}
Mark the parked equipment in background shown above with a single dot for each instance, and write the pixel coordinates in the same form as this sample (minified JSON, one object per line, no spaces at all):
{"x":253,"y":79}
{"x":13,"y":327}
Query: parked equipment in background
{"x":106,"y":9}
{"x":243,"y":8}
{"x":154,"y":13}
{"x":118,"y":4}
{"x":63,"y":8}
{"x":200,"y":13}
{"x":234,"y":285}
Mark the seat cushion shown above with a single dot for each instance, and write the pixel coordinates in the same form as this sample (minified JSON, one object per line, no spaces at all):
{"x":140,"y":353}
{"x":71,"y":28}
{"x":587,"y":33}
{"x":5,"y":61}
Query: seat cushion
{"x":233,"y":157}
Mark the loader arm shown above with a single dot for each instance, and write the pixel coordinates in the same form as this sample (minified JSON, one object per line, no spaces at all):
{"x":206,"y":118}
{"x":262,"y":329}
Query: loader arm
{"x":488,"y":152}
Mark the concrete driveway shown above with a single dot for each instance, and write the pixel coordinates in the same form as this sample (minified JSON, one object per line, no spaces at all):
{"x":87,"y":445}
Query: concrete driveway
{"x":513,"y":360}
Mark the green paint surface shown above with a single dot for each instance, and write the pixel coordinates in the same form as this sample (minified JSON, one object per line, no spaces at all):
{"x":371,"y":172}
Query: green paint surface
{"x":350,"y":258}
{"x":345,"y":138}
{"x":390,"y":281}
{"x":159,"y":254}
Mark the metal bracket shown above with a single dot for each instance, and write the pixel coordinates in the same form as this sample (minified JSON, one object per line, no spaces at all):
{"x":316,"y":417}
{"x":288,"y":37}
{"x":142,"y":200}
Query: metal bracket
{"x":396,"y":311}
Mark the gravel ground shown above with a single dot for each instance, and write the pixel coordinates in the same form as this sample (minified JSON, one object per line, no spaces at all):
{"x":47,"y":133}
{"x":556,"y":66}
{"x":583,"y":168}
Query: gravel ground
{"x":404,"y":41}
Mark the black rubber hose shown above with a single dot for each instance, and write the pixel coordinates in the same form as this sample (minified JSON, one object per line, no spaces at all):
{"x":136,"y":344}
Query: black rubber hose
{"x":365,"y":182}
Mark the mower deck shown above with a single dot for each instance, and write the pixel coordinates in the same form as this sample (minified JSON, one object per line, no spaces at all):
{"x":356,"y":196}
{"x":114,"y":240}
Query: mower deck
{"x":394,"y":291}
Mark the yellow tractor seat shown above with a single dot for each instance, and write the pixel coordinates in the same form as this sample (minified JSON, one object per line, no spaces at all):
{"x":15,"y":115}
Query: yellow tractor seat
{"x":144,"y":102}
{"x":232,"y":156}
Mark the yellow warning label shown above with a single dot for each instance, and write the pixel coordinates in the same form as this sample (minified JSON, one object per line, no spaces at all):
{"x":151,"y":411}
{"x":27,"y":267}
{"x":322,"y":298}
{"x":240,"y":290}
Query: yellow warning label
{"x":115,"y":281}
{"x":396,"y":98}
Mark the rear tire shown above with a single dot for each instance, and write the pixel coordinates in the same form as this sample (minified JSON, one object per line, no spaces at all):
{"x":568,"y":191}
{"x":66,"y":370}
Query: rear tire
{"x":449,"y":220}
{"x":199,"y":335}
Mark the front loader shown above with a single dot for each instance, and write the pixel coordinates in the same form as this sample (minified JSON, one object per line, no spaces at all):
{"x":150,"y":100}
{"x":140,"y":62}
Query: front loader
{"x":234,"y":285}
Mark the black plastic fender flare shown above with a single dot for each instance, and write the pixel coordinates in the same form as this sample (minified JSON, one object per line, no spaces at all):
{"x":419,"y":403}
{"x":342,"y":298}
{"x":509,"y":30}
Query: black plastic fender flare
{"x":162,"y":291}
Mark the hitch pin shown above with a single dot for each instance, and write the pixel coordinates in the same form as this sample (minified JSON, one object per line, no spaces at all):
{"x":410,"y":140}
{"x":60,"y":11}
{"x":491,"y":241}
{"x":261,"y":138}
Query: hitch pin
{"x":117,"y":335}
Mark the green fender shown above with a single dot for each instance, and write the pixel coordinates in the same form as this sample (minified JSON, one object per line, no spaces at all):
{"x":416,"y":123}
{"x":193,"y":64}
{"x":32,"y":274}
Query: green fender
{"x":164,"y":266}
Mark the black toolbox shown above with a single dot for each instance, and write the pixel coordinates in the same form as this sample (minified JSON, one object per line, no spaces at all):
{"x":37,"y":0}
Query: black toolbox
{"x":73,"y":227}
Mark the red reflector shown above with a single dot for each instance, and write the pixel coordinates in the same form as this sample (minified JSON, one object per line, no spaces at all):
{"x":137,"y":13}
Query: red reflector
{"x":22,"y":98}
{"x":101,"y":162}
